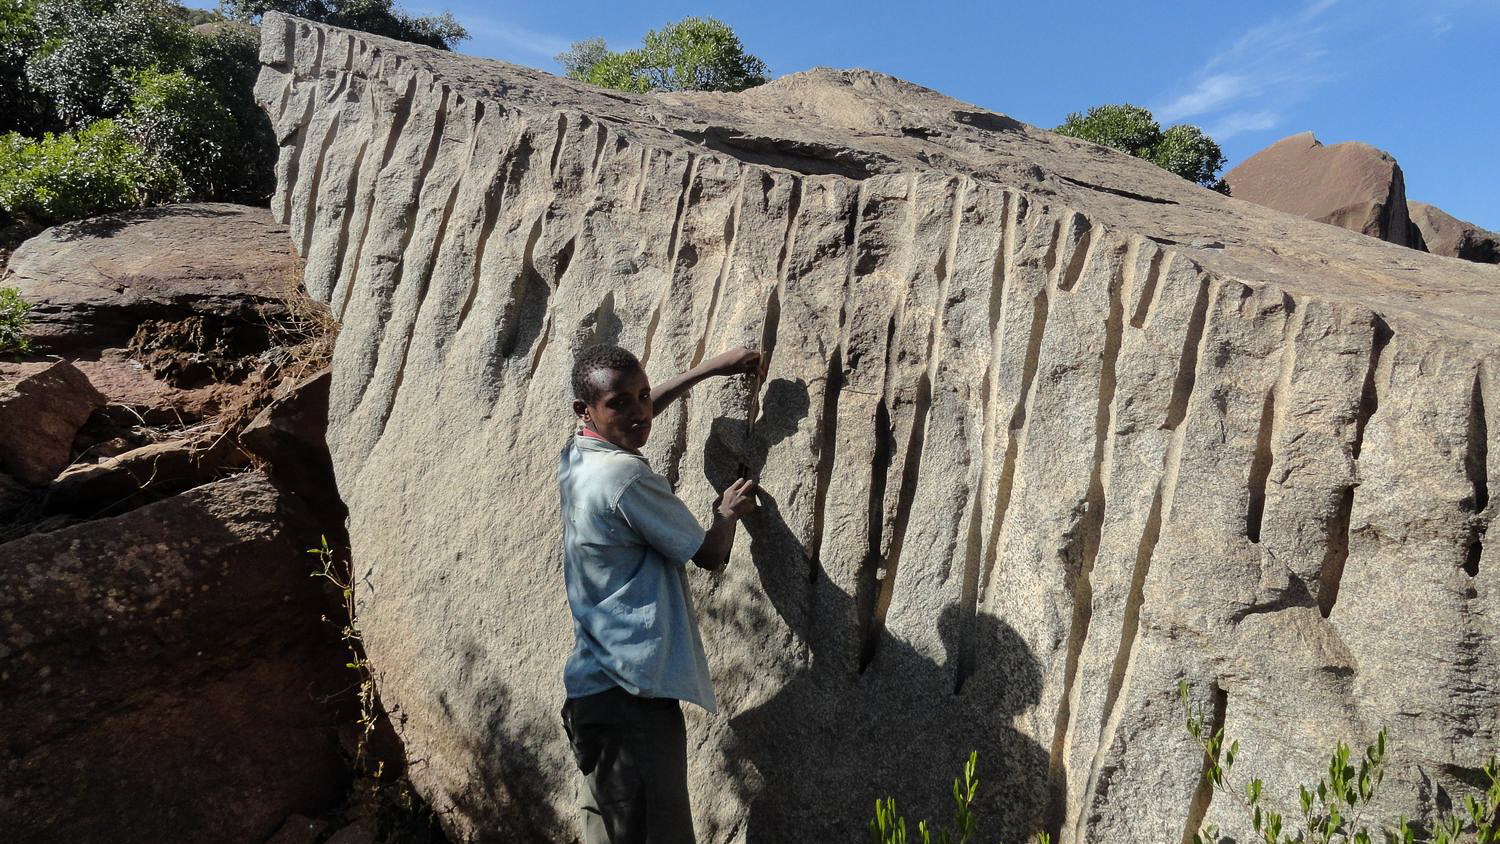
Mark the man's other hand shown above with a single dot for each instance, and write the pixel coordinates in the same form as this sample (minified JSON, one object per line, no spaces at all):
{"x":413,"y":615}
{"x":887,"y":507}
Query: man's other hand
{"x":738,"y":501}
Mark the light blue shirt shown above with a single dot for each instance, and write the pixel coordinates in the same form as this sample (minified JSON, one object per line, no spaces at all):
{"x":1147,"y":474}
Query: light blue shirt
{"x":626,"y":542}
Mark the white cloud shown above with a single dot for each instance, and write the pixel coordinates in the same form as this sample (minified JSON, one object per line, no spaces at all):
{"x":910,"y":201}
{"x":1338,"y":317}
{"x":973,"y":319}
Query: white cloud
{"x":1242,"y":121}
{"x":509,"y":39}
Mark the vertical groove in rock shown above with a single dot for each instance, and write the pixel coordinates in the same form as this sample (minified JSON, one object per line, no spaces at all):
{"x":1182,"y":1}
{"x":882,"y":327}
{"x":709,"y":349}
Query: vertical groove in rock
{"x":1476,"y":466}
{"x":310,"y":208}
{"x":1331,"y":573}
{"x":492,"y":199}
{"x":828,"y":442}
{"x":1016,"y":432}
{"x":1260,"y":468}
{"x":725,"y":265}
{"x":1182,"y":387}
{"x":870,"y":584}
{"x":287,"y":183}
{"x":557,"y":143}
{"x":1204,"y":795}
{"x":1090,"y":528}
{"x":1148,"y":289}
{"x":974,"y":546}
{"x":348,"y":203}
{"x":603,"y":138}
{"x":1082,"y":234}
{"x":403,"y":106}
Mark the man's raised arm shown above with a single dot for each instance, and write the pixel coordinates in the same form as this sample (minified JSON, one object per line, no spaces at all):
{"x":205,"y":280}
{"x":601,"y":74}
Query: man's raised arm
{"x":737,"y":361}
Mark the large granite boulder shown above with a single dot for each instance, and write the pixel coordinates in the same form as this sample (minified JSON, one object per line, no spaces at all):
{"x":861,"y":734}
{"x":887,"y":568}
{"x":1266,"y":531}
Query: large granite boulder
{"x":166,"y":672}
{"x":1352,"y":185}
{"x":93,"y":282}
{"x":1445,"y":234}
{"x":1048,"y":430}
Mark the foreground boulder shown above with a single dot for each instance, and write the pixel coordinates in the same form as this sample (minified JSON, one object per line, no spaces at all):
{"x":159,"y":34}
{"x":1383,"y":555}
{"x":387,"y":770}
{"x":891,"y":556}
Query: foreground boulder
{"x":93,"y":282}
{"x":1445,"y":234}
{"x":1351,"y":185}
{"x":166,"y":673}
{"x":1048,"y":430}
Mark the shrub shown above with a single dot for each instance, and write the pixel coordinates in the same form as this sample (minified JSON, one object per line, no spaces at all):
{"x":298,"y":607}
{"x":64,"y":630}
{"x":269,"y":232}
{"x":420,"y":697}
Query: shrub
{"x":181,"y":120}
{"x":72,"y":175}
{"x":21,"y":110}
{"x":1333,"y":810}
{"x":1183,"y":149}
{"x":91,"y":51}
{"x":13,"y":319}
{"x":693,"y":54}
{"x":228,"y":59}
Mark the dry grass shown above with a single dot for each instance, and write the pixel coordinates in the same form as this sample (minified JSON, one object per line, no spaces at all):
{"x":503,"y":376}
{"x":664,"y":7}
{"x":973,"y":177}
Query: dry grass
{"x":306,"y":331}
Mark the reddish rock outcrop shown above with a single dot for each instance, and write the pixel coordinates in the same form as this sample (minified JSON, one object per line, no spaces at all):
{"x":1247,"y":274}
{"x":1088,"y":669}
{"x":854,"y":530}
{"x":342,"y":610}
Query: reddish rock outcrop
{"x":165,"y":672}
{"x":39,"y":414}
{"x":1445,"y":234}
{"x":1352,"y":185}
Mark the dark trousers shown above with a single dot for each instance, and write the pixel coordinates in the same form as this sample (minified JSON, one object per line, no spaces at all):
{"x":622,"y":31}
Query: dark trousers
{"x":632,"y":752}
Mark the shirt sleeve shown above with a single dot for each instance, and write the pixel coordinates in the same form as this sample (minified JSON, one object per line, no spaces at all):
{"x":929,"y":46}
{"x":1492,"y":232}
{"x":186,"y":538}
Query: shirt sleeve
{"x":648,"y":506}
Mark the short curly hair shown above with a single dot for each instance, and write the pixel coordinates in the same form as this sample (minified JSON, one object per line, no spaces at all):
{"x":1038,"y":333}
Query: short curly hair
{"x":594,"y":358}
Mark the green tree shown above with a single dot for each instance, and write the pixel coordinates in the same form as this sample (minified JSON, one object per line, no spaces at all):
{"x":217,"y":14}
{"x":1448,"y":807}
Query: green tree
{"x":20,"y":107}
{"x":693,"y":54}
{"x":92,"y":50}
{"x":181,"y":119}
{"x":378,"y":17}
{"x":1183,"y":149}
{"x":227,"y":57}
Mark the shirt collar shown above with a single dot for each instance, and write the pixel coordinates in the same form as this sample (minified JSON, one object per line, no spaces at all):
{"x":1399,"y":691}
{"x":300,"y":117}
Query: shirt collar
{"x":593,"y":439}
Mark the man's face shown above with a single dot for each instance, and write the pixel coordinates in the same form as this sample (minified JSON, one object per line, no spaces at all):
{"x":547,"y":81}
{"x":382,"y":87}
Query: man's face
{"x":621,"y":411}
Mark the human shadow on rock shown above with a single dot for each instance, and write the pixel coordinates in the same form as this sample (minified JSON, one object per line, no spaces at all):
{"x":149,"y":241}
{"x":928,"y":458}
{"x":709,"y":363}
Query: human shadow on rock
{"x":810,"y":762}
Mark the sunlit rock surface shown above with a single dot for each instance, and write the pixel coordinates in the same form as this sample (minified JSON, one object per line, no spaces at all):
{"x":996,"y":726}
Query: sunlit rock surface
{"x":1048,"y":430}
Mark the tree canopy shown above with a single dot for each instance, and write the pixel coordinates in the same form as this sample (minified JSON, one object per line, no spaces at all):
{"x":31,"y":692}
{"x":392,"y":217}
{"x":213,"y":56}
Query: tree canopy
{"x":1183,"y":149}
{"x":377,"y":17}
{"x":693,"y":54}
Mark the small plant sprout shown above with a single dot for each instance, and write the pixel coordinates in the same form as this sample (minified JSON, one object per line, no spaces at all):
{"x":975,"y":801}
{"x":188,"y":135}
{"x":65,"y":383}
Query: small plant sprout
{"x":888,"y":827}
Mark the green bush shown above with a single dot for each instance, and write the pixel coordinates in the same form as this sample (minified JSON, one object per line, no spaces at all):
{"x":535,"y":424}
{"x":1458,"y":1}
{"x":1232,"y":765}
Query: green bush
{"x":21,"y":109}
{"x":1182,"y":149}
{"x":181,"y":120}
{"x":379,"y":17}
{"x":71,"y":175}
{"x":92,"y":50}
{"x":693,"y":54}
{"x":228,"y":59}
{"x":1333,"y":810}
{"x":13,"y":319}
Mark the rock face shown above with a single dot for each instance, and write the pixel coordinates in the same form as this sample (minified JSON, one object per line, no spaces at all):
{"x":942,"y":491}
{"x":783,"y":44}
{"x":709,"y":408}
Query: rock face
{"x":1445,"y":234}
{"x":163,"y":673}
{"x":1048,"y":430}
{"x":39,"y":414}
{"x":1352,"y":185}
{"x":94,"y":281}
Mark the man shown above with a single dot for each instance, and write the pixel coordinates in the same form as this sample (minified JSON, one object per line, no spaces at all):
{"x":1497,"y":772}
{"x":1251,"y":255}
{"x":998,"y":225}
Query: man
{"x":626,"y":543}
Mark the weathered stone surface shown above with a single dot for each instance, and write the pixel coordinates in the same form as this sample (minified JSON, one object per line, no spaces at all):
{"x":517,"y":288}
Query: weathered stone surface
{"x":163,"y":673}
{"x":92,"y":282}
{"x":39,"y":414}
{"x":1048,"y":429}
{"x":1352,"y":185}
{"x":1445,"y":234}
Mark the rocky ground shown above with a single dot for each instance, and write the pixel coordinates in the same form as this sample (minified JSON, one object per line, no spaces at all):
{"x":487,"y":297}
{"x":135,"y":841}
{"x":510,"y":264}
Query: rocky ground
{"x":169,"y":668}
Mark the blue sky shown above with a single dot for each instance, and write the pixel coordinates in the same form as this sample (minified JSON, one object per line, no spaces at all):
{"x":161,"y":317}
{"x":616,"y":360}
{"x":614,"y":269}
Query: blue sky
{"x":1417,"y":78}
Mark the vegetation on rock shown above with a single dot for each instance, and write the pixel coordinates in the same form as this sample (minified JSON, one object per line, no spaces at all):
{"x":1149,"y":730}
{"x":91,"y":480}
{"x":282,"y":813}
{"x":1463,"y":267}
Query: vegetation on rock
{"x":1334,"y":809}
{"x":13,"y":319}
{"x":72,"y":175}
{"x":889,"y":827}
{"x":115,"y":104}
{"x":693,"y":54}
{"x":378,"y":17}
{"x":1183,"y":149}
